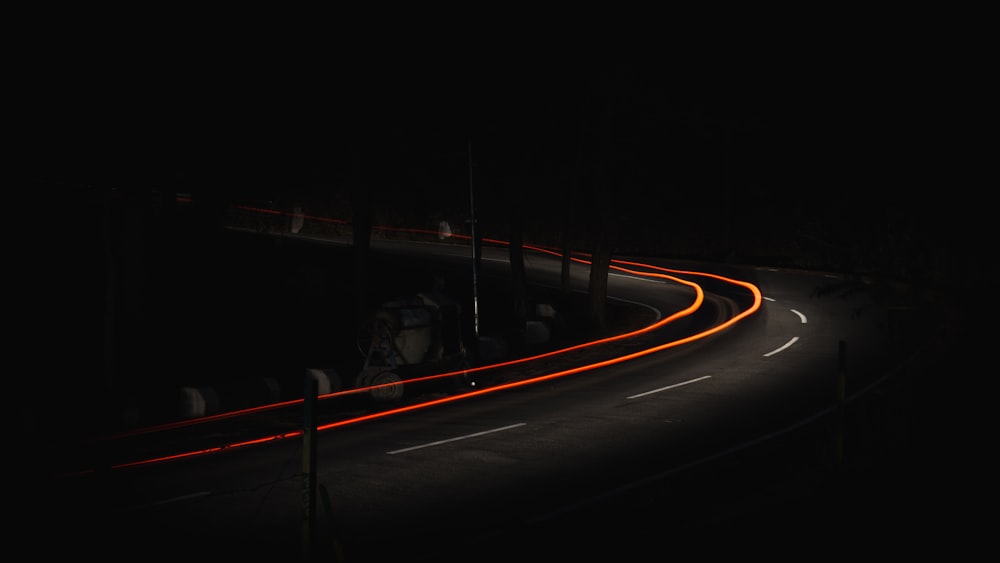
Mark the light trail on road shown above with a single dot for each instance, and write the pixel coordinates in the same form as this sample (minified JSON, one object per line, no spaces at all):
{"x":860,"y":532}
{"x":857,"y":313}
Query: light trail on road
{"x":638,"y":269}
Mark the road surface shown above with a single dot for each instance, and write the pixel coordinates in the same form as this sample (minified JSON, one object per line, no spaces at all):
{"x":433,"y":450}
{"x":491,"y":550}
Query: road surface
{"x":609,"y":460}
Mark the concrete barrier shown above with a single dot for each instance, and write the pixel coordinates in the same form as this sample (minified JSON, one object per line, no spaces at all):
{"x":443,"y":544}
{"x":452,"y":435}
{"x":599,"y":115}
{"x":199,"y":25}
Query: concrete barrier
{"x":536,"y":332}
{"x":196,"y":402}
{"x":207,"y":400}
{"x":327,"y":380}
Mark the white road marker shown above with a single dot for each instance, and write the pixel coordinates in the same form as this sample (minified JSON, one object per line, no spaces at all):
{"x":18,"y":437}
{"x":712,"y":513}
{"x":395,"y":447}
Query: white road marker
{"x":688,"y":382}
{"x":439,"y":442}
{"x":787,"y":344}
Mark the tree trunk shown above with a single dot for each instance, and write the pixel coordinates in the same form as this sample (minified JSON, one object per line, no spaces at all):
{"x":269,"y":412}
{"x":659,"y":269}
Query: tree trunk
{"x":610,"y":102}
{"x":599,"y":268}
{"x":567,"y":238}
{"x":361,"y":230}
{"x":519,"y":277}
{"x":600,"y":265}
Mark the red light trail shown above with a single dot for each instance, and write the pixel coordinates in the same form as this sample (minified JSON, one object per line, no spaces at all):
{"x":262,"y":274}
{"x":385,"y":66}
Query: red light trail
{"x":633,"y":268}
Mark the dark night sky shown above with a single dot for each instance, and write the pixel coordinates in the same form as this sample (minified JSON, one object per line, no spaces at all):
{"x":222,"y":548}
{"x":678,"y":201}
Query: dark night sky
{"x":828,"y":107}
{"x":869,"y":119}
{"x":870,"y":139}
{"x":863,"y":133}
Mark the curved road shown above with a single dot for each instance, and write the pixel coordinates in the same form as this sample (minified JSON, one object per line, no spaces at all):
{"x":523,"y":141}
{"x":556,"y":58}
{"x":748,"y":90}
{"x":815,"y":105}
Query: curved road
{"x":611,"y":459}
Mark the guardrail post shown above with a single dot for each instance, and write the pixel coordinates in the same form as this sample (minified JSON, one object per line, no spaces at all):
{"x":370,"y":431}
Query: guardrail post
{"x":309,"y":468}
{"x":841,"y":406}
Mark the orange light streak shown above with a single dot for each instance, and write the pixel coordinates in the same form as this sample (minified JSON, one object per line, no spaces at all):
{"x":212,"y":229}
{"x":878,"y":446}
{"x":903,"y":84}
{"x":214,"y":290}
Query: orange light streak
{"x":255,"y":442}
{"x":613,"y":361}
{"x":658,"y":272}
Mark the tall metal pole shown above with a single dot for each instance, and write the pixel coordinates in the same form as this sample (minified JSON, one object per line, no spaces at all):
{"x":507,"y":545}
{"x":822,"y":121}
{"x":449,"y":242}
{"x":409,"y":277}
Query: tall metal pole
{"x":475,"y":261}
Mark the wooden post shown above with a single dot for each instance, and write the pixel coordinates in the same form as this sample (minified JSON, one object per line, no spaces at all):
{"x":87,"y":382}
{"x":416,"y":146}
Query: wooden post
{"x":309,"y":468}
{"x":841,"y":407}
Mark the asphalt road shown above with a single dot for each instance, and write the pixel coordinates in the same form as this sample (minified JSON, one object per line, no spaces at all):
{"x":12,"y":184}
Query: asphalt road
{"x":729,"y":444}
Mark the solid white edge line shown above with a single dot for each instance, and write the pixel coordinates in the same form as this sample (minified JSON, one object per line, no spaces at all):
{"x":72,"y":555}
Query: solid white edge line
{"x":787,"y":344}
{"x":439,"y":442}
{"x":163,"y":502}
{"x":635,"y":277}
{"x":669,"y":387}
{"x":656,"y":311}
{"x":190,"y":496}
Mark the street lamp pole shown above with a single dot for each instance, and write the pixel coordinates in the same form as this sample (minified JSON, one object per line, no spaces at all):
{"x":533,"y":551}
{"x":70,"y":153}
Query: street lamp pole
{"x":475,"y":258}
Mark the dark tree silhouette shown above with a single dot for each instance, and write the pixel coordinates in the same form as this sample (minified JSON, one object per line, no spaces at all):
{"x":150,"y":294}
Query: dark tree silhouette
{"x":610,"y":93}
{"x":519,"y":278}
{"x":569,"y":216}
{"x":361,"y":230}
